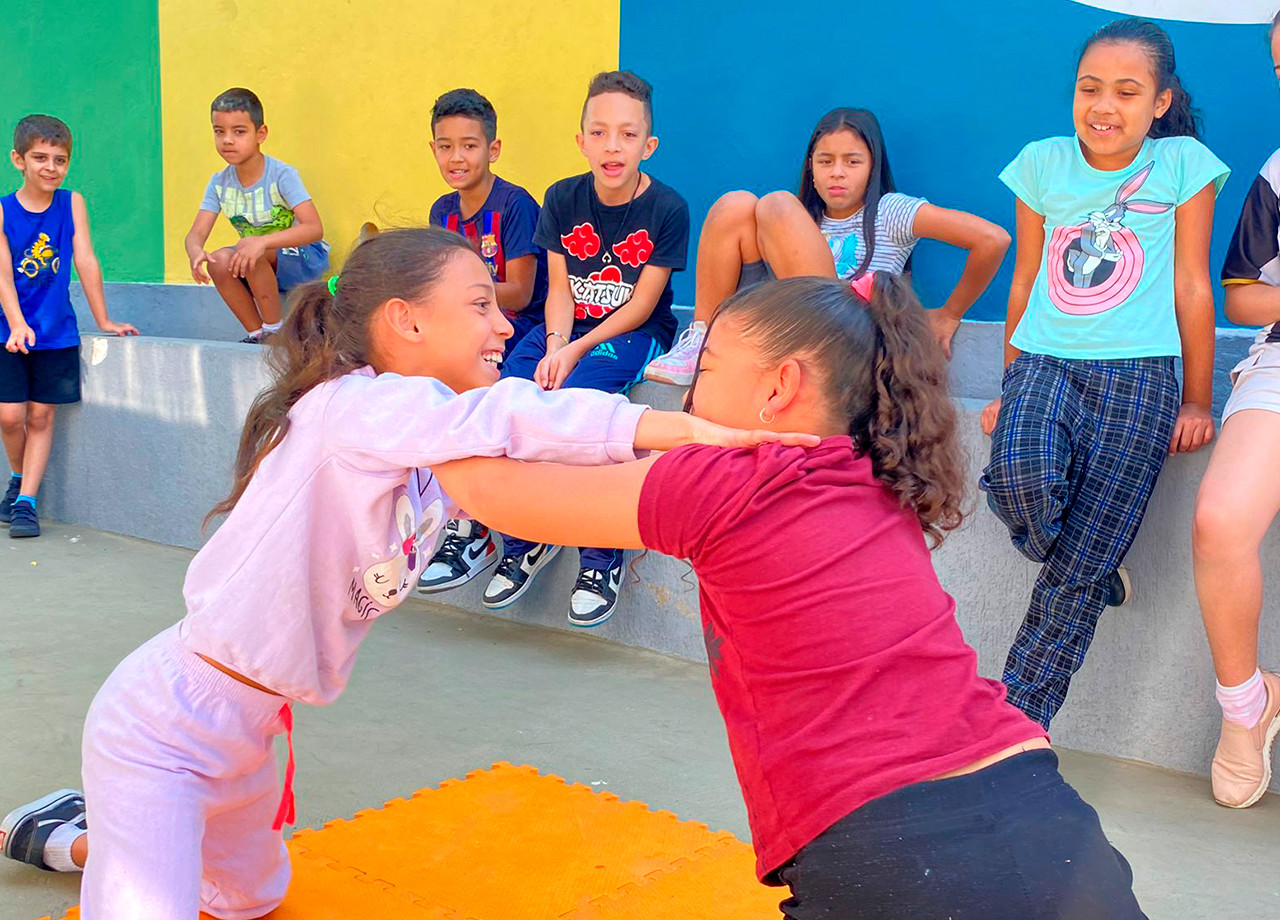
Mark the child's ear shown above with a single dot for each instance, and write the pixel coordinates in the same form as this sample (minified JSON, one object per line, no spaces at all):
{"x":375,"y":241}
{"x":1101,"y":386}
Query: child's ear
{"x":649,"y":147}
{"x":495,"y":150}
{"x":16,"y":159}
{"x":1163,"y":101}
{"x":397,"y":314}
{"x":581,"y":148}
{"x":262,"y":134}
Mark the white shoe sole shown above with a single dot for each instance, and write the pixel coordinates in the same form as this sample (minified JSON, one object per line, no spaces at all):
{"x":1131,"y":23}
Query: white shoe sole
{"x":552,"y":552}
{"x":675,"y":380}
{"x":584,"y":624}
{"x":489,"y":562}
{"x":16,"y":817}
{"x":1268,"y":741}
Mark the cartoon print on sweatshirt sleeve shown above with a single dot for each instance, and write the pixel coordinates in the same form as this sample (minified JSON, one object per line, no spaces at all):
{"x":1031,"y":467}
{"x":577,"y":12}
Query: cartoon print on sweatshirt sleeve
{"x":389,"y":582}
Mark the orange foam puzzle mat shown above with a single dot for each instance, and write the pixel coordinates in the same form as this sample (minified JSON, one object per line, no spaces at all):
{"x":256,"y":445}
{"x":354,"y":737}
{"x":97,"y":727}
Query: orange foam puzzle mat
{"x":510,"y":843}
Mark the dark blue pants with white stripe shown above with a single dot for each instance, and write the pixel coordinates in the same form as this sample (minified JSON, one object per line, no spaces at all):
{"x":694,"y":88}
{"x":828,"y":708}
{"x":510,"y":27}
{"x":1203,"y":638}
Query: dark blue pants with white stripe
{"x":1074,"y":458}
{"x":614,"y":366}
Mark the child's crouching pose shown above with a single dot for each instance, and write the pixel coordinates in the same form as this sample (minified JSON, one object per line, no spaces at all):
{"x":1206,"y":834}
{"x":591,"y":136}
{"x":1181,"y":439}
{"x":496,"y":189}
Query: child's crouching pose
{"x":333,"y":514}
{"x":883,"y":777}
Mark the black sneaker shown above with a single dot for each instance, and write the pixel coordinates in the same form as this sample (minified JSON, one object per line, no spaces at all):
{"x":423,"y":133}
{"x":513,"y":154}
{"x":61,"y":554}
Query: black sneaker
{"x":1119,"y":588}
{"x":23,"y":520}
{"x":466,"y":552}
{"x":252,"y":339}
{"x":10,"y":496}
{"x":594,"y":596}
{"x":515,"y":575}
{"x":25,"y":830}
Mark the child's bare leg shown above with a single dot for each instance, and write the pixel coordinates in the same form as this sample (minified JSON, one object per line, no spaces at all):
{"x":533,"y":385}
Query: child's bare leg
{"x":789,"y":240}
{"x":233,"y":291}
{"x":262,"y":283}
{"x":728,"y":242}
{"x":35,"y":457}
{"x":80,"y":849}
{"x":13,"y":432}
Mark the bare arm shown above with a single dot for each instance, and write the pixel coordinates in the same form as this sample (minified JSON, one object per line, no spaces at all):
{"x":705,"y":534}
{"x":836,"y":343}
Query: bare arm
{"x":1253,"y":303}
{"x":515,"y":293}
{"x":306,"y":229}
{"x":21,"y":337}
{"x":986,"y":244}
{"x":90,"y":272}
{"x":1193,"y":301}
{"x":196,"y":237}
{"x":532,"y":500}
{"x":1026,"y":267}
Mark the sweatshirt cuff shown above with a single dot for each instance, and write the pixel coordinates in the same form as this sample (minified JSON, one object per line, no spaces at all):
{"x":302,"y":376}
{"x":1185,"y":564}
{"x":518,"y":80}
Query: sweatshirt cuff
{"x":620,"y":441}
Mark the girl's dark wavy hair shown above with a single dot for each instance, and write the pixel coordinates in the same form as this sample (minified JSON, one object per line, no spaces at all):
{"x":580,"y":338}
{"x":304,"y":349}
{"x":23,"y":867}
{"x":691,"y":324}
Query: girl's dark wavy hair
{"x":881,"y":369}
{"x":865,"y":125}
{"x":1181,"y":120}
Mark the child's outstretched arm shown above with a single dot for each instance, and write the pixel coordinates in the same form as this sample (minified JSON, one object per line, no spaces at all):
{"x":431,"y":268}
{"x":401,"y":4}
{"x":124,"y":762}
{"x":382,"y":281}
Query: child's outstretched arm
{"x":986,"y":244}
{"x":1026,"y":267}
{"x":90,"y":272}
{"x":1193,"y":301}
{"x":528,"y":500}
{"x":21,"y":336}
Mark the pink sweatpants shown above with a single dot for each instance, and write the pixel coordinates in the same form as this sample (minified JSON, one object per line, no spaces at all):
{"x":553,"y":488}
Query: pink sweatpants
{"x":181,"y":789}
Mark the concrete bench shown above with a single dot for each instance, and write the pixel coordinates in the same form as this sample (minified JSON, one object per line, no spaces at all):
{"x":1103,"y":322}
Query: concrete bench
{"x":150,"y":450}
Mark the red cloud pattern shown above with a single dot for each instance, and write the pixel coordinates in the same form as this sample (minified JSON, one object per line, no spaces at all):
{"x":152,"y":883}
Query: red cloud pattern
{"x":636,"y":249}
{"x":583,"y":242}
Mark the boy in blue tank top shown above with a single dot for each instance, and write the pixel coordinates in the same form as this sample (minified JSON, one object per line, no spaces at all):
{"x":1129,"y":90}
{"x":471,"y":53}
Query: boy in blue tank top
{"x":41,"y":225}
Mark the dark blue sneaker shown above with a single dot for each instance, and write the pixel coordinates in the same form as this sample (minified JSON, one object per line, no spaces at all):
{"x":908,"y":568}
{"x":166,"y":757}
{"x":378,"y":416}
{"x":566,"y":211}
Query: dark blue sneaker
{"x":1119,"y":588}
{"x":10,"y":496}
{"x":23,"y":520}
{"x":26,"y":829}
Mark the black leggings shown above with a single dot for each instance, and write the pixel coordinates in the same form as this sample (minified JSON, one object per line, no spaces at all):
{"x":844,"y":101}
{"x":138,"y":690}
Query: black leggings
{"x":1011,"y":842}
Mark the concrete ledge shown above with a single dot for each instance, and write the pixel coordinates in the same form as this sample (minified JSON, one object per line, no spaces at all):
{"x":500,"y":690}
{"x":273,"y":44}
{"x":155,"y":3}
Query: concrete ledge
{"x":150,"y":450}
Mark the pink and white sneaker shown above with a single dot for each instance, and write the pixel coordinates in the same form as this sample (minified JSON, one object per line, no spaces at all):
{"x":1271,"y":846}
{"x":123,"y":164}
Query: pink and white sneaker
{"x":678,"y":366}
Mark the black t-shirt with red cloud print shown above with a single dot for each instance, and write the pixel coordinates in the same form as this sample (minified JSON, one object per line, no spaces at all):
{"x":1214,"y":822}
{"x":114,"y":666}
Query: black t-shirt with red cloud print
{"x":605,"y":261}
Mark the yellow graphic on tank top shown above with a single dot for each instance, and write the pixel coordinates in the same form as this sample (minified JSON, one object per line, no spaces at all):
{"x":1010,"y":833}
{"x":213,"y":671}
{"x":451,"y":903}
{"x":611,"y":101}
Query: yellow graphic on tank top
{"x":40,"y":257}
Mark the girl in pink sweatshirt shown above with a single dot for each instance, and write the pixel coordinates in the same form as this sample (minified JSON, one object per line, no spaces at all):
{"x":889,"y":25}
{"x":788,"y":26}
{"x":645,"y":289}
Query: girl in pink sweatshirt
{"x":332,"y":515}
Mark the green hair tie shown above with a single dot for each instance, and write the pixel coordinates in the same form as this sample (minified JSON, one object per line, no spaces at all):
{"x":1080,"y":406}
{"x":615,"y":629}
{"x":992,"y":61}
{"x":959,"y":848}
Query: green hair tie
{"x":333,"y":285}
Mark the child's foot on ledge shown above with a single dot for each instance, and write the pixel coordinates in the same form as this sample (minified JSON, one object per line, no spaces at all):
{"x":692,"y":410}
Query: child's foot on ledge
{"x":23,"y":520}
{"x":594,"y":596}
{"x":1119,"y":588}
{"x":678,"y":366}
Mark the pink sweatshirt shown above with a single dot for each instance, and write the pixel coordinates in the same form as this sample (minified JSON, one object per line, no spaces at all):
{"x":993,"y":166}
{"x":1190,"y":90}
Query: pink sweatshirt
{"x":340,"y":519}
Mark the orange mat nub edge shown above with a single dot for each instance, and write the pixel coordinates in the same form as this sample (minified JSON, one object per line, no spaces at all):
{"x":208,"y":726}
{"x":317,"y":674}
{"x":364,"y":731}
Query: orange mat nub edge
{"x":510,"y":843}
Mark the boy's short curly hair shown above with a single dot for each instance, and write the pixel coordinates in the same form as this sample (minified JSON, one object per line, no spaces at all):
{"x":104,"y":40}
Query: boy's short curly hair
{"x":625,"y":82}
{"x":469,"y":104}
{"x":239,"y":99}
{"x":45,"y":128}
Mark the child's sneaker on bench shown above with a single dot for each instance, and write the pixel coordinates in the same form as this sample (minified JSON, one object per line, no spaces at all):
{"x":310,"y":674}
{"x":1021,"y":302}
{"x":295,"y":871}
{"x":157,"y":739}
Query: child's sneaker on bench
{"x":678,"y":366}
{"x":515,"y":576}
{"x":25,"y":830}
{"x":23,"y":520}
{"x":10,"y":496}
{"x":594,"y":596}
{"x":466,"y":552}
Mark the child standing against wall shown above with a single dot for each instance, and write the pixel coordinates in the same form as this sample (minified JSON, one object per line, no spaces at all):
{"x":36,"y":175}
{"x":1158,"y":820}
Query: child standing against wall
{"x":1111,"y":284}
{"x":44,"y":228}
{"x":281,"y":238}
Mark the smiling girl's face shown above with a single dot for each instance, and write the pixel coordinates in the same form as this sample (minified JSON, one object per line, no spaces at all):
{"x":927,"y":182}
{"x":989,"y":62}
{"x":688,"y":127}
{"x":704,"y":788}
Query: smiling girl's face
{"x":1116,"y":100}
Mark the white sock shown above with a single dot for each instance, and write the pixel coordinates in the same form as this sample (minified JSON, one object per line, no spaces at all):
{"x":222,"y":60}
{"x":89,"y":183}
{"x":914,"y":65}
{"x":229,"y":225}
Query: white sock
{"x":57,"y":849}
{"x":1245,"y":703}
{"x":272,"y":327}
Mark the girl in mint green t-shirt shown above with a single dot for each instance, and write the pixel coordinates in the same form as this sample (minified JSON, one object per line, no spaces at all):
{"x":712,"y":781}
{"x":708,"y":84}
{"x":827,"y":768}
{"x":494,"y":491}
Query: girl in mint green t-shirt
{"x":1111,"y":284}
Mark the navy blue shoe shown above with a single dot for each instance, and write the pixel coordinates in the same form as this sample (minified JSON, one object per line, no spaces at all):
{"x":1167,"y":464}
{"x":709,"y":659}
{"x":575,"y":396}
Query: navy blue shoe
{"x":26,"y":829}
{"x":23,"y":520}
{"x":10,"y":496}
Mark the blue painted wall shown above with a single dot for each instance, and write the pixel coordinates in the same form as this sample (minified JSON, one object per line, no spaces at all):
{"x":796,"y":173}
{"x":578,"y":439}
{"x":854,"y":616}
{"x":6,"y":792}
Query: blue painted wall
{"x":959,"y":89}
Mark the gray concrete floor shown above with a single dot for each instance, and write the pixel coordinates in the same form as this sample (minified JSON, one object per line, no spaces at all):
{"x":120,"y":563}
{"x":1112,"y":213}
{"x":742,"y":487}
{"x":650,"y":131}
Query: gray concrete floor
{"x":437,"y":693}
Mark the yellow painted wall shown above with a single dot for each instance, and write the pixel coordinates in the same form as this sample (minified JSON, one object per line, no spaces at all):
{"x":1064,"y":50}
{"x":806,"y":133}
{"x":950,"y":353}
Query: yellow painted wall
{"x":347,"y":86}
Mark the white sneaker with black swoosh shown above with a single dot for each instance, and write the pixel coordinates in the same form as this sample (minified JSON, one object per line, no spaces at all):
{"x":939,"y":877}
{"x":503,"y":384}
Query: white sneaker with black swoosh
{"x":515,"y":576}
{"x":468,"y":550}
{"x":25,"y":830}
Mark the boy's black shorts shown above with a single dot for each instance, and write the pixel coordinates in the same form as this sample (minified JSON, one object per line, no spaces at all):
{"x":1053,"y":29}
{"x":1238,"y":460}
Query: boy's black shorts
{"x":44,"y":375}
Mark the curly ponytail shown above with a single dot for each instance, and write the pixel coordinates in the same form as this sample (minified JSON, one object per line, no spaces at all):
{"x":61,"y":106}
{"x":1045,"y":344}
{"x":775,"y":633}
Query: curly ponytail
{"x":1181,"y":120}
{"x":326,"y":333}
{"x":881,"y":369}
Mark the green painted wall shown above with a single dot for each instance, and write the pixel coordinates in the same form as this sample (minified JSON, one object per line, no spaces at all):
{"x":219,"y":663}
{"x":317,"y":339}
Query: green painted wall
{"x":97,"y":68}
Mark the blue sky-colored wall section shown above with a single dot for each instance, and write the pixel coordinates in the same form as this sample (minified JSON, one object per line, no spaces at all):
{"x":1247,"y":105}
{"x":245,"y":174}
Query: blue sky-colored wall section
{"x":958,"y":88}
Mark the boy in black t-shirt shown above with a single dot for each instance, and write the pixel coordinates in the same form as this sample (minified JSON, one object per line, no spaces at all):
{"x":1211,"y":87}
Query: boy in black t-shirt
{"x":613,"y":237}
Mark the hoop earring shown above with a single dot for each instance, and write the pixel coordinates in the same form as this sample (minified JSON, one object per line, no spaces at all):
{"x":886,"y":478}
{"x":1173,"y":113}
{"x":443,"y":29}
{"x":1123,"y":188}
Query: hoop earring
{"x":768,"y":421}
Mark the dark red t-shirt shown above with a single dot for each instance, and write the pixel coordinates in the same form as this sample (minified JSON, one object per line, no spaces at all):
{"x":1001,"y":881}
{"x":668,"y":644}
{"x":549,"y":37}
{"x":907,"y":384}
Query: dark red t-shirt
{"x":835,"y":654}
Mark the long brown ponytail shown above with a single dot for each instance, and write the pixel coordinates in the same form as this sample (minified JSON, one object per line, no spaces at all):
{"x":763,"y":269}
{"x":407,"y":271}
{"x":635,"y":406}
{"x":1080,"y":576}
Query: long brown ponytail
{"x":882,"y":368}
{"x":326,"y":335}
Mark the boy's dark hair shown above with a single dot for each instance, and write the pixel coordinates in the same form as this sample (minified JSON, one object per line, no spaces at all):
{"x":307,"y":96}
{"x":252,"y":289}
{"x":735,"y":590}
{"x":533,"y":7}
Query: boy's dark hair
{"x":239,"y":99}
{"x":1181,"y":120}
{"x":469,"y":104}
{"x":625,"y":82}
{"x":41,"y":128}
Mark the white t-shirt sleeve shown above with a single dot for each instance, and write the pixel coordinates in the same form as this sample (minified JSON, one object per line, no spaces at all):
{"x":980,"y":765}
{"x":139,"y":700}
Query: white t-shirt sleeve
{"x":898,"y":217}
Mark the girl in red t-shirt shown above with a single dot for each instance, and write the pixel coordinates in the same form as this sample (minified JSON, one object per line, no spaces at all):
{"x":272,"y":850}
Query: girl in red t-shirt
{"x":883,"y":777}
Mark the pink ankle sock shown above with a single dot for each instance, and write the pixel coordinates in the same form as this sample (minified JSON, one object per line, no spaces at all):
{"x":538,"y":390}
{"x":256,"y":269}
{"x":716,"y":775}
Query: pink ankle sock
{"x":1244,"y":704}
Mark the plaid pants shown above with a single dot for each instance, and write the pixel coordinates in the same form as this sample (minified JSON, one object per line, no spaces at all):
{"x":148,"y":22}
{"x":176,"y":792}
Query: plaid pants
{"x":1074,"y":458}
